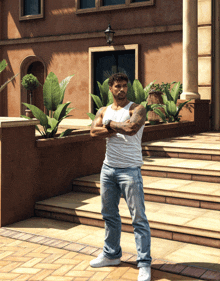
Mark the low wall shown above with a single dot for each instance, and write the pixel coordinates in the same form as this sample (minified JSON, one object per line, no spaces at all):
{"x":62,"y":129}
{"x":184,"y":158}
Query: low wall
{"x":34,"y":169}
{"x":31,"y":171}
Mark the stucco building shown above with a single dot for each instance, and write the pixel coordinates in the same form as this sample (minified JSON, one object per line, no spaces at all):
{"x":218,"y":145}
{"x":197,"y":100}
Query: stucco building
{"x":67,"y":37}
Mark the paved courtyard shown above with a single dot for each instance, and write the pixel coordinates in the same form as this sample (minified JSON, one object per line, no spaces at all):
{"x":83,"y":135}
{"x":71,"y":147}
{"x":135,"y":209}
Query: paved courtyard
{"x":22,"y":260}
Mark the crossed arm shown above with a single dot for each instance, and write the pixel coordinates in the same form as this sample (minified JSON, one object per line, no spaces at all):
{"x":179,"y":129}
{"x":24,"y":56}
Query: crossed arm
{"x":129,"y":127}
{"x":97,"y":128}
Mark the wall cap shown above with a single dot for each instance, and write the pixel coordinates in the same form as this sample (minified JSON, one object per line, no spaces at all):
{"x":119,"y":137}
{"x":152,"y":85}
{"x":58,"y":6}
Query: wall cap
{"x":194,"y":101}
{"x":8,"y":122}
{"x":84,"y":136}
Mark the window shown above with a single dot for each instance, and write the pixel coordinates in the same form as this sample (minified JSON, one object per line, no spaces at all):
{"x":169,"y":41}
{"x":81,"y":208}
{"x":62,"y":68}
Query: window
{"x":85,"y":6}
{"x":112,"y":2}
{"x":31,"y":9}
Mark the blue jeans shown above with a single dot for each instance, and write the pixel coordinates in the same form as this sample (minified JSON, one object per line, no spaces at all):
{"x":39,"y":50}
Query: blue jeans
{"x":128,"y":181}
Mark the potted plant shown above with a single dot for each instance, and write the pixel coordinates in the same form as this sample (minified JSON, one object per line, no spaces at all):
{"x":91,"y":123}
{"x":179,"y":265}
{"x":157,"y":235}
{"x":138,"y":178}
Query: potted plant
{"x":56,"y":110}
{"x":30,"y":83}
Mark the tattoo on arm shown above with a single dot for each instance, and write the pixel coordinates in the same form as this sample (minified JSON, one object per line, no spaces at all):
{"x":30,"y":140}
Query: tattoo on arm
{"x":132,"y":127}
{"x":96,"y":121}
{"x":139,"y":116}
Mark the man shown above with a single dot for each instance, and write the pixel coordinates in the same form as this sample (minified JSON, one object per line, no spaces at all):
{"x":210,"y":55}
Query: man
{"x":122,"y":123}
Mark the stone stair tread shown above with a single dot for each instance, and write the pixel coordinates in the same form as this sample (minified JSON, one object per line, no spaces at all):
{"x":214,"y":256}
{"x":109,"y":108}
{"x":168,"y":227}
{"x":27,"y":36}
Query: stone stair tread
{"x":203,"y":143}
{"x":204,"y":167}
{"x":192,"y":150}
{"x":164,"y":186}
{"x":163,"y":216}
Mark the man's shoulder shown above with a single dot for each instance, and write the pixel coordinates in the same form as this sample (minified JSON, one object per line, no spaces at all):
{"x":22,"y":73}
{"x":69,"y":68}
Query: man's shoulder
{"x":102,"y":111}
{"x":134,"y":105}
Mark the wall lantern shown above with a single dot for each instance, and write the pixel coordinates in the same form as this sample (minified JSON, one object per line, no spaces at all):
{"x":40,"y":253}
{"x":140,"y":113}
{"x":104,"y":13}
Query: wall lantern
{"x":109,"y":33}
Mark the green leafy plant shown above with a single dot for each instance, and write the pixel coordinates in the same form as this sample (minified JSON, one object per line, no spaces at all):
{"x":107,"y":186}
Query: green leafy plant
{"x":56,"y":111}
{"x":30,"y":83}
{"x":3,"y":65}
{"x":136,"y":93}
{"x":170,"y":98}
{"x":166,"y":87}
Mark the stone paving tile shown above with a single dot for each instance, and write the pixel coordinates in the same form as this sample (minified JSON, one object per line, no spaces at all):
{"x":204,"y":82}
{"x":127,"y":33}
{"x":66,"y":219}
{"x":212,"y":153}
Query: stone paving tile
{"x":211,"y":275}
{"x":192,"y":271}
{"x":55,"y":264}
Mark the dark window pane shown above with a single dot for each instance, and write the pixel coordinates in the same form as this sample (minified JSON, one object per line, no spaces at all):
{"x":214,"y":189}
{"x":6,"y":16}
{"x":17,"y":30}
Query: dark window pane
{"x":32,"y":7}
{"x":126,"y":64}
{"x":84,"y":4}
{"x":107,"y":63}
{"x":135,"y":1}
{"x":113,"y":2}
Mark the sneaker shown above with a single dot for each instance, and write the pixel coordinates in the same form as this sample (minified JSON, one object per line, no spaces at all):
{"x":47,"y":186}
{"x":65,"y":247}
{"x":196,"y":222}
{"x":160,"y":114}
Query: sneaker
{"x":101,"y":261}
{"x":144,"y":273}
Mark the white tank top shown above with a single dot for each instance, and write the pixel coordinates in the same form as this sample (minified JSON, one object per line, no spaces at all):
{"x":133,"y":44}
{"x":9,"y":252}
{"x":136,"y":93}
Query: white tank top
{"x":123,"y":151}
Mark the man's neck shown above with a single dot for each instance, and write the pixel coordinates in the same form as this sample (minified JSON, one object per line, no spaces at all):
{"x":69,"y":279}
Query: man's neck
{"x":118,"y":104}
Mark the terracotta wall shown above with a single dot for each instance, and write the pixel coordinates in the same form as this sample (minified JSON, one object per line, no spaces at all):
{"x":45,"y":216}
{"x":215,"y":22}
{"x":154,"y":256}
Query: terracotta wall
{"x":160,"y":54}
{"x":60,"y":18}
{"x":30,"y":173}
{"x":160,"y":59}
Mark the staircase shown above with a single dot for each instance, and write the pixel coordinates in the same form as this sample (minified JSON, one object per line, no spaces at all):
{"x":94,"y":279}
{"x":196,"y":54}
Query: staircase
{"x":182,"y":192}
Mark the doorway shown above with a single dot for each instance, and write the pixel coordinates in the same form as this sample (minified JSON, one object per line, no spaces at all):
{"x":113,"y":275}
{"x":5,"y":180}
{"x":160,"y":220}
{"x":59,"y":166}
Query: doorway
{"x":108,"y":63}
{"x":37,"y":69}
{"x":36,"y":66}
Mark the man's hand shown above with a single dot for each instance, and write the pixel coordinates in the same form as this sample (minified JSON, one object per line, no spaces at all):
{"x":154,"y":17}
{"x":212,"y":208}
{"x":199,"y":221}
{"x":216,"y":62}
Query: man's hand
{"x":98,"y":129}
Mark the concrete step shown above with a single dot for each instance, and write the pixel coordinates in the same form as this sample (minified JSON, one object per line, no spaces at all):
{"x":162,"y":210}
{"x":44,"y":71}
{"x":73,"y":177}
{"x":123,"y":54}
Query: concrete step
{"x":179,"y":168}
{"x":171,"y":191}
{"x":183,"y":152}
{"x":204,"y":146}
{"x":178,"y":223}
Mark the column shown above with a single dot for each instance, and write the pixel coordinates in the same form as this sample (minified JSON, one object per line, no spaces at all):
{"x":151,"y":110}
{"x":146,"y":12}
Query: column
{"x":190,"y":51}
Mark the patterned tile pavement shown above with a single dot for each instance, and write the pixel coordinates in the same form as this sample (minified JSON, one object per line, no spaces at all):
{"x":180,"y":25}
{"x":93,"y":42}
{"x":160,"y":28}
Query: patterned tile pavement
{"x":25,"y":256}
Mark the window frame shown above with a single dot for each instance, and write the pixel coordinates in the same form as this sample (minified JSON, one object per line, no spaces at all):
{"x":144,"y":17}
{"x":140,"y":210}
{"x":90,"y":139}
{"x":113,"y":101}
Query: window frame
{"x":99,"y":6}
{"x":30,"y":17}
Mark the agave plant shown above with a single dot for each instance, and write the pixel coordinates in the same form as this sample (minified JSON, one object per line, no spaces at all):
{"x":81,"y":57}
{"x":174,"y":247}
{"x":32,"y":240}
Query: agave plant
{"x":3,"y":65}
{"x":56,"y":111}
{"x":136,"y":93}
{"x":170,"y":100}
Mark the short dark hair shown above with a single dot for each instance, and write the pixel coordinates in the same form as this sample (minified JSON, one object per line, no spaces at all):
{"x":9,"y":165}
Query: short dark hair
{"x":117,"y":77}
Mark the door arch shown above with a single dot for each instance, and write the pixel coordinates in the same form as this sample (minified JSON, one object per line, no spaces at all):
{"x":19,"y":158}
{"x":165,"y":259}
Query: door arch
{"x":36,"y":66}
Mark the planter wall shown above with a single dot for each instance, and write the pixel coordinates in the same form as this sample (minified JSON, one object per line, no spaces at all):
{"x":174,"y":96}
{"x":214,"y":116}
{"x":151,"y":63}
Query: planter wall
{"x":31,"y":172}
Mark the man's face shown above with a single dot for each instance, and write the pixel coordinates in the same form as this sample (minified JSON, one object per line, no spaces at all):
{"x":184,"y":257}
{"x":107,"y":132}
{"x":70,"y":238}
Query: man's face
{"x":119,"y":89}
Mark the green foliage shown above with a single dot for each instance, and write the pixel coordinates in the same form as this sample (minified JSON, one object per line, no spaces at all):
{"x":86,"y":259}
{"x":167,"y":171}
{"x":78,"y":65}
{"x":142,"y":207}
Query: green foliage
{"x":91,"y":116}
{"x":167,"y":88}
{"x":139,"y":95}
{"x":30,"y":82}
{"x":3,"y":65}
{"x":170,"y":98}
{"x":53,"y":94}
{"x":136,"y":93}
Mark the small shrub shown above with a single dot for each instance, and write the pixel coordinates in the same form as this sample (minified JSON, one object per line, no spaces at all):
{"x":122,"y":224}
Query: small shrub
{"x":30,"y":82}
